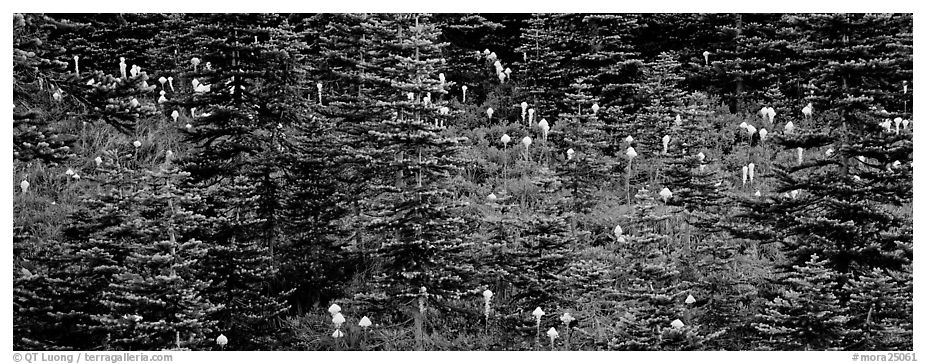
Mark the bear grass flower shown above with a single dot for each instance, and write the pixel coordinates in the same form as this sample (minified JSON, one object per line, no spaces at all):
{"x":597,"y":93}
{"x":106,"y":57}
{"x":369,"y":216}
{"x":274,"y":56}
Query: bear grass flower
{"x":538,"y":314}
{"x":221,"y":341}
{"x":338,"y":320}
{"x":567,"y":318}
{"x":365,"y":322}
{"x":487,"y":297}
{"x":666,"y":194}
{"x":334,"y":308}
{"x":552,"y":334}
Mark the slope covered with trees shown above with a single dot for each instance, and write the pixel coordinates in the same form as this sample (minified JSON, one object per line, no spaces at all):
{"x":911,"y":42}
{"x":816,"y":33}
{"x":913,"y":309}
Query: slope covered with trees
{"x":462,"y":181}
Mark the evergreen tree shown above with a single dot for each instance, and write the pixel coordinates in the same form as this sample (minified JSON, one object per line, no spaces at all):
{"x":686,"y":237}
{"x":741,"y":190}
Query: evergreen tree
{"x":56,"y":295}
{"x":853,"y":186}
{"x":418,"y":227}
{"x":806,"y":315}
{"x":545,"y":49}
{"x":663,"y":102}
{"x":241,"y":268}
{"x":55,"y":302}
{"x":157,"y":299}
{"x":545,"y":241}
{"x":112,"y":287}
{"x":327,"y":158}
{"x":651,"y":291}
{"x":722,"y":291}
{"x":610,"y":66}
{"x":34,"y":64}
{"x":844,"y":206}
{"x":328,"y":162}
{"x":888,"y":299}
{"x":47,"y":91}
{"x":35,"y":71}
{"x":467,"y":36}
{"x":246,"y":98}
{"x":318,"y":215}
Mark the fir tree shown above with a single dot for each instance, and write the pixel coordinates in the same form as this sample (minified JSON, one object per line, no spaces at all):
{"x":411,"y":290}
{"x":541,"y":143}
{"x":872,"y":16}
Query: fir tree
{"x":545,"y":54}
{"x":34,"y":68}
{"x":545,"y":241}
{"x":889,"y":303}
{"x":247,"y":97}
{"x":651,"y":291}
{"x":843,"y":207}
{"x":240,"y":268}
{"x":419,"y":228}
{"x":806,"y":315}
{"x":157,"y":299}
{"x":610,"y":66}
{"x":467,"y":36}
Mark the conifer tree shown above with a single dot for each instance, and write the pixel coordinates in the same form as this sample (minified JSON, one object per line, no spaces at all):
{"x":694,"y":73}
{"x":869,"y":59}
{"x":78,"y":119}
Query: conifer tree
{"x":419,"y":229}
{"x":34,"y":65}
{"x":855,"y":185}
{"x":545,"y":241}
{"x":157,"y":299}
{"x":102,"y":39}
{"x":47,"y":91}
{"x":889,"y":303}
{"x":663,"y":100}
{"x":328,"y":162}
{"x":467,"y":36}
{"x":651,"y":289}
{"x":846,"y":207}
{"x":609,"y":66}
{"x":56,"y":295}
{"x":249,"y":95}
{"x":545,"y":54}
{"x":111,"y":287}
{"x":326,"y":157}
{"x":55,"y":302}
{"x":806,"y":315}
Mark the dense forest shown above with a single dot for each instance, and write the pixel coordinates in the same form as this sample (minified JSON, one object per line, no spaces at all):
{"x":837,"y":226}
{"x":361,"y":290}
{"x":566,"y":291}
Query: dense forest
{"x":462,"y":181}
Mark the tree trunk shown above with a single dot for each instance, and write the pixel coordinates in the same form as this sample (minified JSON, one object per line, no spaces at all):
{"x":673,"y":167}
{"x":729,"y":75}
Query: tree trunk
{"x":738,"y":101}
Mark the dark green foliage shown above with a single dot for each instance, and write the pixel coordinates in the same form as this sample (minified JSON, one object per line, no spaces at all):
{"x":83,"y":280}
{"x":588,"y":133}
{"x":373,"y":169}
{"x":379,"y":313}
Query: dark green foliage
{"x":299,"y":160}
{"x":545,"y":240}
{"x":887,"y":297}
{"x":806,"y":315}
{"x":652,"y":290}
{"x":418,"y":228}
{"x":849,"y":207}
{"x":157,"y":299}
